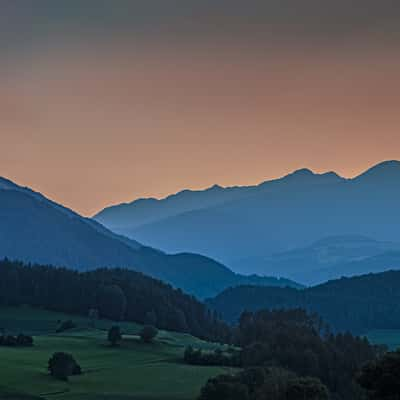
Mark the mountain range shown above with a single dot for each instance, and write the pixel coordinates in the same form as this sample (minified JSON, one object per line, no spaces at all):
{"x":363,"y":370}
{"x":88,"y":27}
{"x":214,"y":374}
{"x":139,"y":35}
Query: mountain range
{"x":279,"y":227}
{"x":37,"y":230}
{"x":330,"y":258}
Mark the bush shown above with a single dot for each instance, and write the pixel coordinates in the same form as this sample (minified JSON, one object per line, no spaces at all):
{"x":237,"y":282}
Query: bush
{"x":62,"y":365}
{"x":114,"y":335}
{"x":148,"y":333}
{"x":218,"y":357}
{"x":65,"y":326}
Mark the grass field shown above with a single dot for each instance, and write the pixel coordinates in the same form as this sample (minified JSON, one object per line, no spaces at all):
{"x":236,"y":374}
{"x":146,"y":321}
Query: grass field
{"x":132,"y":371}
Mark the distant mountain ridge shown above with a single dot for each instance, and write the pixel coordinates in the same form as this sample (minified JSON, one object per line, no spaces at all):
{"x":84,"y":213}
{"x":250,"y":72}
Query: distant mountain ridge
{"x":330,"y":258}
{"x":127,"y":216}
{"x":36,"y":229}
{"x":244,"y":227}
{"x":145,"y":211}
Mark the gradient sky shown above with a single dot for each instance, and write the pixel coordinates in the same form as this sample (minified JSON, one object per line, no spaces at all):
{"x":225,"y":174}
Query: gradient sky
{"x":102,"y":102}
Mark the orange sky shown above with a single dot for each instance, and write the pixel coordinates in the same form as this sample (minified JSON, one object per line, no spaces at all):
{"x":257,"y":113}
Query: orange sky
{"x":92,"y":126}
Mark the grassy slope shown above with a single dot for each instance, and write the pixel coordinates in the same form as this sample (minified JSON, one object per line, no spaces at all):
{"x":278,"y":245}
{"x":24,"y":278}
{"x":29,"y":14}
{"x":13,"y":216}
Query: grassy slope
{"x":132,"y":371}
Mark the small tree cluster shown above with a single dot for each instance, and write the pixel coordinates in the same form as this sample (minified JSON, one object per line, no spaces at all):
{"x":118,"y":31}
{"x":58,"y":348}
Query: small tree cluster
{"x":381,"y":378}
{"x":62,"y":365}
{"x":16,"y":341}
{"x":263,"y":384}
{"x":291,"y":339}
{"x":230,"y":358}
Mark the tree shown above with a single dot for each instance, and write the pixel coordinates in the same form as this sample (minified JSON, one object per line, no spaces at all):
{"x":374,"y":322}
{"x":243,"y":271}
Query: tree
{"x":93,"y":316}
{"x":62,"y":365}
{"x":114,"y":335}
{"x":291,"y":339}
{"x":253,"y":378}
{"x":381,"y":378}
{"x":224,"y":387}
{"x":307,"y":389}
{"x":150,"y":318}
{"x":264,"y":384}
{"x":148,"y":333}
{"x":75,"y":293}
{"x":112,"y":302}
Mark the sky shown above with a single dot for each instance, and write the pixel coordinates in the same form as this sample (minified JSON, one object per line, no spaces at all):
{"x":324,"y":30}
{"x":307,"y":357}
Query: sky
{"x":103,"y":102}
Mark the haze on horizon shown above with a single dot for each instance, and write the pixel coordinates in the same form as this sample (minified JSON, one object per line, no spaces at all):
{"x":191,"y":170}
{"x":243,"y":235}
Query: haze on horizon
{"x":102,"y":102}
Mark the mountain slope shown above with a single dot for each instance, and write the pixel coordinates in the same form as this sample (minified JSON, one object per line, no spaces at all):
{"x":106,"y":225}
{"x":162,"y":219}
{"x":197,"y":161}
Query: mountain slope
{"x":280,"y":215}
{"x":35,"y":229}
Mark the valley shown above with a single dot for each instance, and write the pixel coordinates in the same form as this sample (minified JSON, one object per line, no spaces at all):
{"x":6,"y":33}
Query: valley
{"x":131,"y":371}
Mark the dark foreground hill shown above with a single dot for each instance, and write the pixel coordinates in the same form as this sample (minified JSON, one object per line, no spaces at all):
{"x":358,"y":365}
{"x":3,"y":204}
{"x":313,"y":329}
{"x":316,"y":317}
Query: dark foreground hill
{"x":35,"y":229}
{"x":359,"y":304}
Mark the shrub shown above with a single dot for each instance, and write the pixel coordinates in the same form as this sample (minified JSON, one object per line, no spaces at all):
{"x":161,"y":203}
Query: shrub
{"x":65,"y":326}
{"x":62,"y":365}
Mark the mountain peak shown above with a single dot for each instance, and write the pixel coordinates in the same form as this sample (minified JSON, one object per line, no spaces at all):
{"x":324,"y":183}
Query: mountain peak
{"x":215,"y":187}
{"x":385,"y":171}
{"x":305,"y":175}
{"x":303,"y":172}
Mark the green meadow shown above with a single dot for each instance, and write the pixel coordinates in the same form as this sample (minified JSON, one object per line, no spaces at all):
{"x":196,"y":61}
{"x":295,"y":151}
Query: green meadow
{"x":131,"y":371}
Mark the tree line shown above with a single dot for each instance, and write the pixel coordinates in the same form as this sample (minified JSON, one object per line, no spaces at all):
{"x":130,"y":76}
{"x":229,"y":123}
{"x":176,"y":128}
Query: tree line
{"x":358,"y":304}
{"x":299,"y":343}
{"x":377,"y":380}
{"x":115,"y":294}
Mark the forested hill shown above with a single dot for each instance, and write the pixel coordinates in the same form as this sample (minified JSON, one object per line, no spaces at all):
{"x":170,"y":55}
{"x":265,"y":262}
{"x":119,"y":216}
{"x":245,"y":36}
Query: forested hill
{"x":116,"y":294}
{"x":37,"y":230}
{"x":358,"y":304}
